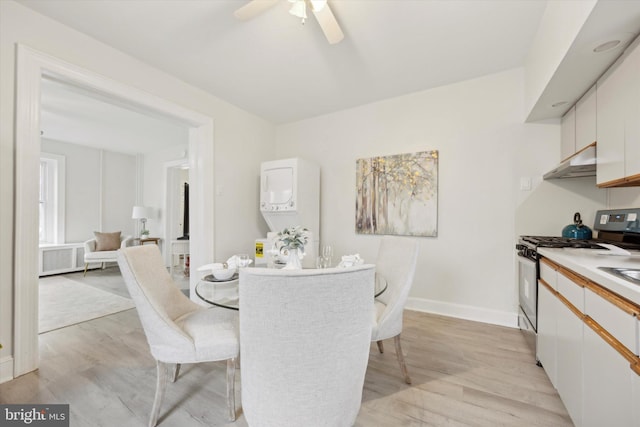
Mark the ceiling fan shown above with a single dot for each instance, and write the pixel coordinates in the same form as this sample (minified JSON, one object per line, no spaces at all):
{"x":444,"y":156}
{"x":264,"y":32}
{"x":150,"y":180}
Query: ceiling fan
{"x":320,"y":8}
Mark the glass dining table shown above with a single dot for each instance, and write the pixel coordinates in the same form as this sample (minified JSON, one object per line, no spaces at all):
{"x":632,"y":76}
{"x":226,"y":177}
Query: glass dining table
{"x":224,"y":293}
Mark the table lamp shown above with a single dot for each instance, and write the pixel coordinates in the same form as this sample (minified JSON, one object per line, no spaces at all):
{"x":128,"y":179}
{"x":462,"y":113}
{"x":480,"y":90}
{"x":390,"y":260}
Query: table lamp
{"x":142,"y":213}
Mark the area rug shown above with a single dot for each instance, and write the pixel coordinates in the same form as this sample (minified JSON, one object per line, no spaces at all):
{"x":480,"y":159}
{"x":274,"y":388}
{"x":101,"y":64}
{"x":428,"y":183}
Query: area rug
{"x":65,"y":302}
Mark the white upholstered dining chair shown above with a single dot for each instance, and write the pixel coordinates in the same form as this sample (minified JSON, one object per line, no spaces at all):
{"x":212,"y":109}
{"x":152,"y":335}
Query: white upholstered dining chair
{"x":177,"y":329}
{"x":396,"y":262}
{"x":305,"y":337}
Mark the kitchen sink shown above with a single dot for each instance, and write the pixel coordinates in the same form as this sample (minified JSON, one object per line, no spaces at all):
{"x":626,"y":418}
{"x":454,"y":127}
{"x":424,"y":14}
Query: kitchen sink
{"x":630,"y":274}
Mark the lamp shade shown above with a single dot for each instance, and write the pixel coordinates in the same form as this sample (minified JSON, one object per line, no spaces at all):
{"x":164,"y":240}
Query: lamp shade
{"x":141,"y":212}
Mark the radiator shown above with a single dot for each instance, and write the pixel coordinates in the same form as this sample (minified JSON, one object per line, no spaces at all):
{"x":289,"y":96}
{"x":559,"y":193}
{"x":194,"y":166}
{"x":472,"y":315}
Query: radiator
{"x":55,"y":259}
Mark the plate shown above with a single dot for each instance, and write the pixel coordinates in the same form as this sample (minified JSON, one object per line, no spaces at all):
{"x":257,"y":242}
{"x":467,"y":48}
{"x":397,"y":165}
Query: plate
{"x":210,"y":278}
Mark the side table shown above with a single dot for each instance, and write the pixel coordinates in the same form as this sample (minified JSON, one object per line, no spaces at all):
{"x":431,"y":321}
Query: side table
{"x":154,"y":240}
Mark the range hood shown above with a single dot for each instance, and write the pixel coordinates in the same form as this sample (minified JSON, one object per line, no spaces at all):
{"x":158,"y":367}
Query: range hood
{"x":583,"y":163}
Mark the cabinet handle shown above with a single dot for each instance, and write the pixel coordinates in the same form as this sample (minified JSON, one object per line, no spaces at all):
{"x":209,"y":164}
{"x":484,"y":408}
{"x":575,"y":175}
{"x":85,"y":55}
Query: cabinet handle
{"x":613,"y":342}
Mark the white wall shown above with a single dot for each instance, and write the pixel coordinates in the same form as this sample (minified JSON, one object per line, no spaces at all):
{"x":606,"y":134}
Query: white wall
{"x":241,"y":140}
{"x":485,"y":150}
{"x":477,"y":127}
{"x":99,"y":190}
{"x":624,"y":197}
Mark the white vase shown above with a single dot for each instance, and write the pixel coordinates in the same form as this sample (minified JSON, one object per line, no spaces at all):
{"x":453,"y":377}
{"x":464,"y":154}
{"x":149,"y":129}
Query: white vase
{"x":293,"y":260}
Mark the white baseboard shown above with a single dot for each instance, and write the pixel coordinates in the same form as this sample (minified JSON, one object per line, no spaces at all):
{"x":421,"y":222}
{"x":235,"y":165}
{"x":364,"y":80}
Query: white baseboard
{"x":6,"y":369}
{"x":467,"y":312}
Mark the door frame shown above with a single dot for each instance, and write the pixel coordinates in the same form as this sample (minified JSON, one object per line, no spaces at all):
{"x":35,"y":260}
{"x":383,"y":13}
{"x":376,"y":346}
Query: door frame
{"x":31,"y":66}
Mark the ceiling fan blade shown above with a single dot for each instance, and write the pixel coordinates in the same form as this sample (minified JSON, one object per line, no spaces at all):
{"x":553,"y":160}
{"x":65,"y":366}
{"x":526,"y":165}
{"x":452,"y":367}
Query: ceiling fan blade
{"x":329,"y":25}
{"x":253,"y":8}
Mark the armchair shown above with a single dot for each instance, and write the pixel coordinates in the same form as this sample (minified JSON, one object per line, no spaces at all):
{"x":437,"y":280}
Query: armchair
{"x":92,"y":255}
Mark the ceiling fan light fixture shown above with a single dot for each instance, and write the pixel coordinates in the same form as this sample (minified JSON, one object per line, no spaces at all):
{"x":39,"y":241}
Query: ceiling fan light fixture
{"x":299,"y":9}
{"x":320,"y":9}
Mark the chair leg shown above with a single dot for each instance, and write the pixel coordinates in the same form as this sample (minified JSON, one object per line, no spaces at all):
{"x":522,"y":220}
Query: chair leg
{"x":380,"y":346}
{"x":231,"y":388}
{"x":86,"y":265}
{"x":176,"y":372}
{"x":400,"y":356}
{"x":161,"y":385}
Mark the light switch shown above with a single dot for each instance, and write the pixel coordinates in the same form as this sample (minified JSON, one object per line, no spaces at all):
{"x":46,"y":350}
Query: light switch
{"x":525,"y":183}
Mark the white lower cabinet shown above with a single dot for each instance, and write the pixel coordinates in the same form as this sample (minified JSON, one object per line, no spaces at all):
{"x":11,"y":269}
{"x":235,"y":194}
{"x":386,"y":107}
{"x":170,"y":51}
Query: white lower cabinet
{"x":547,"y":323}
{"x":608,"y":385}
{"x":636,"y":398}
{"x":569,"y":351}
{"x":592,"y":371}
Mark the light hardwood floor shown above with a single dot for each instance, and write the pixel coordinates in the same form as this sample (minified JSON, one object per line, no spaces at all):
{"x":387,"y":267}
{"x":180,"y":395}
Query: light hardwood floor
{"x":464,"y":374}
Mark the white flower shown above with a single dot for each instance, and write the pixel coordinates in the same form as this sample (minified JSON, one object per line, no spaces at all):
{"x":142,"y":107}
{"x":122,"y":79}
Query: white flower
{"x":292,"y":238}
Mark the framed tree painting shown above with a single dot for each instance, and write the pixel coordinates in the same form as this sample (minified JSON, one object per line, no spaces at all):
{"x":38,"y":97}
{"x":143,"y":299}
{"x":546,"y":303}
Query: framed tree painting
{"x":398,"y":194}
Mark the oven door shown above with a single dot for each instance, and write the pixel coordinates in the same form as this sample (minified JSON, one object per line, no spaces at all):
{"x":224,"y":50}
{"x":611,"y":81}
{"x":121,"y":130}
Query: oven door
{"x":528,"y":289}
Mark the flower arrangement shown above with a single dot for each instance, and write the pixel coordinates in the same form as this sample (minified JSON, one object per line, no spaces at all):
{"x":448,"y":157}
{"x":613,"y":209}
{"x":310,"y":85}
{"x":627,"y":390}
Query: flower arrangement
{"x":292,"y":238}
{"x":291,"y":242}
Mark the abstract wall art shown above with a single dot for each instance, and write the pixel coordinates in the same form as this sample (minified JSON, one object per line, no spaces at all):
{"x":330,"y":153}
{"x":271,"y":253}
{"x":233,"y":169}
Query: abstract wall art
{"x":398,"y":194}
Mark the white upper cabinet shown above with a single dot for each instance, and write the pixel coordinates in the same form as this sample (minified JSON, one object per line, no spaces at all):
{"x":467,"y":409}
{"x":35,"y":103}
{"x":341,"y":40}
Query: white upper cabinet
{"x":586,"y":119}
{"x":578,"y":125}
{"x":618,"y":122}
{"x":632,"y":124}
{"x":568,"y":134}
{"x":610,"y":125}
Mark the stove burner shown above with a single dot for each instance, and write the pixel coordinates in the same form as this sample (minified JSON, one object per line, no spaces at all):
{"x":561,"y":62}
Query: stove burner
{"x":563,"y":242}
{"x":559,"y":242}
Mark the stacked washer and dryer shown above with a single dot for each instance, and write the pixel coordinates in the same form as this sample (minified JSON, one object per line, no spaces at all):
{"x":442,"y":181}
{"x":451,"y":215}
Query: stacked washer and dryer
{"x":289,"y":196}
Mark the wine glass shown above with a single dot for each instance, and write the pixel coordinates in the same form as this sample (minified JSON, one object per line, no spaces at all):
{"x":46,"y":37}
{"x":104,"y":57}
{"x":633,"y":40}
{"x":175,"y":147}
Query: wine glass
{"x":327,"y":255}
{"x":243,"y":260}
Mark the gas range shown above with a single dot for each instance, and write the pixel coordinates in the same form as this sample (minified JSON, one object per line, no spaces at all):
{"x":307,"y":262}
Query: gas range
{"x":527,"y":245}
{"x":620,"y":227}
{"x":557,"y":242}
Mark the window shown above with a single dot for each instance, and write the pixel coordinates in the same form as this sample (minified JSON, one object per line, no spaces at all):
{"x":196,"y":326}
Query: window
{"x":51,"y":209}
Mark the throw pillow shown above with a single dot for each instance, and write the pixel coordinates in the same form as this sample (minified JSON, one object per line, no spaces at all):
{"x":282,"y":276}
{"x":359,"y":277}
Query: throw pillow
{"x":107,"y":241}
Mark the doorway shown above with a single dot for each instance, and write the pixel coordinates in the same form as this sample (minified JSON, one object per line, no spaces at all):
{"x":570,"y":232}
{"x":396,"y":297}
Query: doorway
{"x":177,"y":226}
{"x":31,"y":67}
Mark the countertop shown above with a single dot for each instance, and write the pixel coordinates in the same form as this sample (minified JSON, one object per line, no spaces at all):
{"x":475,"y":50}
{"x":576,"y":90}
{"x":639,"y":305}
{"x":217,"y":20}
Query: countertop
{"x":585,"y":262}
